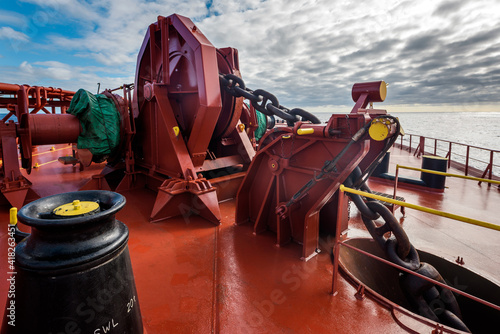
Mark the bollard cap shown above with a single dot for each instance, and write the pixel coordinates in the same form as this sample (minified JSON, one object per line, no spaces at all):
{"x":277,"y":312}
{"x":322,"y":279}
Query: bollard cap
{"x":76,"y":208}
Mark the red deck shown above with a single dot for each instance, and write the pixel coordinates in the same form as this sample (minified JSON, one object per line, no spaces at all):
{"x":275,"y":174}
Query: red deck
{"x":193,"y":277}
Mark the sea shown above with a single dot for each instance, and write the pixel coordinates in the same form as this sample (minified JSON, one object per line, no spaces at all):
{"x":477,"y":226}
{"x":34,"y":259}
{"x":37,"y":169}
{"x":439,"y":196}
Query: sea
{"x":481,"y":129}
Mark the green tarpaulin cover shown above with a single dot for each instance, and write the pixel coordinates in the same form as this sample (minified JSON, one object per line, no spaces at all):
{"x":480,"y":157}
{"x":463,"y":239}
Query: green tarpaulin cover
{"x":262,"y":122}
{"x":100,"y":122}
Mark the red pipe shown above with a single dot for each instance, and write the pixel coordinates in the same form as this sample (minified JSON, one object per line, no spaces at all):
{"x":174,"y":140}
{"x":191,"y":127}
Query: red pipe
{"x":9,"y":87}
{"x":54,"y":129}
{"x":6,"y":87}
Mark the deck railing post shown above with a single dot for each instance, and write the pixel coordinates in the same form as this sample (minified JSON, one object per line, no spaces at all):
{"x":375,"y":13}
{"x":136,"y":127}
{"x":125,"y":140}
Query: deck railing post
{"x":421,"y":147}
{"x":490,"y":174}
{"x":467,"y":160}
{"x":449,"y":155}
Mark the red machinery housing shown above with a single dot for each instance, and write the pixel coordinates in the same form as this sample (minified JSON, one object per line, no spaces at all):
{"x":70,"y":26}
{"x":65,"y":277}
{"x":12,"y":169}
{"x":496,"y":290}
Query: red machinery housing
{"x":37,"y":123}
{"x":180,"y":129}
{"x":186,"y":126}
{"x":275,"y":195}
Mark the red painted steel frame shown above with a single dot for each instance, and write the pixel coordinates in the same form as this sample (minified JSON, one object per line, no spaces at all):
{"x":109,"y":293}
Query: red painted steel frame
{"x":286,"y":163}
{"x":177,"y":100}
{"x":30,"y":128}
{"x":182,"y":117}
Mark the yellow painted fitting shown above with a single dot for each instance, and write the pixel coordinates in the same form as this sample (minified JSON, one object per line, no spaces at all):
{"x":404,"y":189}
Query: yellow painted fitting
{"x":176,"y":131}
{"x":13,"y":216}
{"x":77,"y":205}
{"x":52,"y":148}
{"x":383,"y":90}
{"x":379,"y":130}
{"x":286,"y":137}
{"x":305,"y":131}
{"x":241,"y":127}
{"x":36,"y":165}
{"x":76,"y":208}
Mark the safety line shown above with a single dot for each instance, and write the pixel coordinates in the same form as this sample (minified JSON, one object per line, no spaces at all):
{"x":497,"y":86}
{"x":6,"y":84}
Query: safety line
{"x":421,"y":208}
{"x":448,"y":174}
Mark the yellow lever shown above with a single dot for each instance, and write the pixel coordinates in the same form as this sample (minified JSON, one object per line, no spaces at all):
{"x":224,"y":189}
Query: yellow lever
{"x":305,"y":131}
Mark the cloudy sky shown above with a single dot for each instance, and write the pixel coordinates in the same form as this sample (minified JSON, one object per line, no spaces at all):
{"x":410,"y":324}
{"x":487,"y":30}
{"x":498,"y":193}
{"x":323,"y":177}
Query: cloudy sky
{"x":436,"y":55}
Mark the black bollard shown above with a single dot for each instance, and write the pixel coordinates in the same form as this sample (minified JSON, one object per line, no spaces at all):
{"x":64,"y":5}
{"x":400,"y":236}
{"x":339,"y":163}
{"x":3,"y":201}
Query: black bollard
{"x":438,"y":164}
{"x":73,"y":273}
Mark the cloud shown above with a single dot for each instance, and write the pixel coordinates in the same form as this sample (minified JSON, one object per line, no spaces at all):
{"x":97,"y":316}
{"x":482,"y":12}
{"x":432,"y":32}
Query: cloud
{"x":11,"y":18}
{"x":306,"y":52}
{"x":448,"y":7}
{"x":62,"y":75}
{"x":67,"y":8}
{"x":120,"y":28}
{"x":13,"y":35}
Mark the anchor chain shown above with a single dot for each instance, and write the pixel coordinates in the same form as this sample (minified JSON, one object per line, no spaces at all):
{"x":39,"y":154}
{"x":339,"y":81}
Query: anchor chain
{"x":264,"y":101}
{"x":432,"y":301}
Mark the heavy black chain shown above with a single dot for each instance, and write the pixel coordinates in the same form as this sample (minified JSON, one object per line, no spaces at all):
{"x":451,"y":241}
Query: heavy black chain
{"x":432,"y":301}
{"x":264,"y":101}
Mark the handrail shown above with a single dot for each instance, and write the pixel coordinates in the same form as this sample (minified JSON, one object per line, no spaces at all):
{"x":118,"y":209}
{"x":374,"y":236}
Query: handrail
{"x":453,"y":142}
{"x":421,"y":208}
{"x":447,"y":174}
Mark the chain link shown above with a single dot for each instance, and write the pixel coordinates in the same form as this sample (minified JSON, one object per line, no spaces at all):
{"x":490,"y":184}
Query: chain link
{"x":259,"y":98}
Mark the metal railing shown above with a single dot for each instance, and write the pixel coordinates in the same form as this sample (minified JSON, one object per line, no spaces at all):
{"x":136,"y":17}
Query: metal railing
{"x":339,"y":243}
{"x":470,"y":159}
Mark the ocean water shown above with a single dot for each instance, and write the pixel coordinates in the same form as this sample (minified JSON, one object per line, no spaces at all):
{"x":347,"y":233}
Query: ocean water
{"x":480,"y":129}
{"x":471,"y":128}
